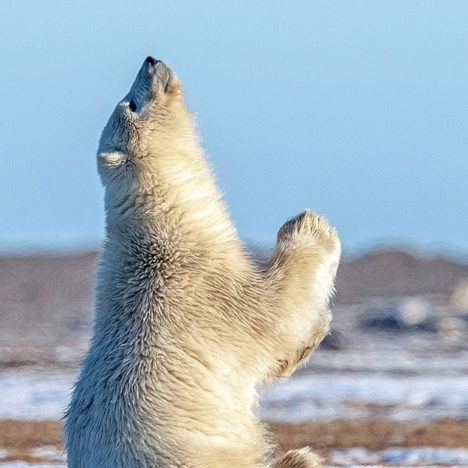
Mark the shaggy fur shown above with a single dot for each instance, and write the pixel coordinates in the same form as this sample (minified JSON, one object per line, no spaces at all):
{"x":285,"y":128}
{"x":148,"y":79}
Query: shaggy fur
{"x":187,"y":326}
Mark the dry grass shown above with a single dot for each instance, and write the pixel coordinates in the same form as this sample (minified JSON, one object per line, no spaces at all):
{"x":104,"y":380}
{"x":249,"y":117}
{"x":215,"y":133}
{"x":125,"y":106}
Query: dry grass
{"x":18,"y":437}
{"x":374,"y":435}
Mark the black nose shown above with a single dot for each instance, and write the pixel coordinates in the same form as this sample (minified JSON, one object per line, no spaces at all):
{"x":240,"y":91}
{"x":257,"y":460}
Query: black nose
{"x":151,"y":60}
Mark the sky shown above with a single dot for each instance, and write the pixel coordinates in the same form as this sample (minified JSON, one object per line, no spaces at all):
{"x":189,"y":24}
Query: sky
{"x":357,"y":110}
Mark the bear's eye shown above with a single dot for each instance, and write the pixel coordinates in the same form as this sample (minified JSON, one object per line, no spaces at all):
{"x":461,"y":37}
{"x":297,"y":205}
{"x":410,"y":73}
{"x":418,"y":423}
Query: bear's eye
{"x":132,"y":106}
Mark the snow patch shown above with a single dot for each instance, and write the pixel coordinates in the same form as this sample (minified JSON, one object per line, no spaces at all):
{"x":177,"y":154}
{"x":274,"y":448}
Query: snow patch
{"x":396,"y":456}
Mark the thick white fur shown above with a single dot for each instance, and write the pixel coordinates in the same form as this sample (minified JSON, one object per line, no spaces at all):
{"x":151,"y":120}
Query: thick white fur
{"x":187,"y":326}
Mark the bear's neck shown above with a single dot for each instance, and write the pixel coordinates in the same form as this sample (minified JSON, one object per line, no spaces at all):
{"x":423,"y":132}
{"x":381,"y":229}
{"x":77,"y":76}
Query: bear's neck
{"x":181,"y":202}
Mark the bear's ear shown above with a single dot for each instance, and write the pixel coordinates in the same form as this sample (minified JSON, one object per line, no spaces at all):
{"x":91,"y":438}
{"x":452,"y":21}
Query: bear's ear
{"x":113,"y":159}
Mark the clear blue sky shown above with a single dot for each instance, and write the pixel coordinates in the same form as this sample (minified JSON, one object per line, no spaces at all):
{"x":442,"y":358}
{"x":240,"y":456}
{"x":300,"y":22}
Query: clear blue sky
{"x":358,"y":110}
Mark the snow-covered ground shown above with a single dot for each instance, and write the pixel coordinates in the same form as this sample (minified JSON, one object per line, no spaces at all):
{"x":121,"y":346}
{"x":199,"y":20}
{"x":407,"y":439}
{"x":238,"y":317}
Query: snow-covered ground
{"x":356,"y":395}
{"x":34,"y":394}
{"x":355,"y":457}
{"x":38,"y":394}
{"x":381,"y":382}
{"x":396,"y":456}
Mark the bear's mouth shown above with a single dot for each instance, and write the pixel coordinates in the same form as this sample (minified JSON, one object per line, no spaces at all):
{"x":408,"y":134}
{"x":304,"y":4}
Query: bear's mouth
{"x":153,"y":77}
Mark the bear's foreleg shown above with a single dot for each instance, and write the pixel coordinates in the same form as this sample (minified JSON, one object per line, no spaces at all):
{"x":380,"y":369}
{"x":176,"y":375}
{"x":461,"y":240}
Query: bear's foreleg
{"x":301,"y":277}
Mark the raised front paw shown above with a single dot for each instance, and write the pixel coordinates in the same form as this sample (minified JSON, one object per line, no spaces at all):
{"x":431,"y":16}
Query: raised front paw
{"x":313,"y":226}
{"x":322,"y":245}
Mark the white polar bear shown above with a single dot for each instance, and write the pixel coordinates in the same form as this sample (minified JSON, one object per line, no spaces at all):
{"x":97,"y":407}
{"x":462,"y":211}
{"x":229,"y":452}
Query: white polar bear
{"x":187,"y":326}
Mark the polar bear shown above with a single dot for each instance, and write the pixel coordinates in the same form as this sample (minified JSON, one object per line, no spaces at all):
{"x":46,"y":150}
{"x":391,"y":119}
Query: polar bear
{"x":187,"y":326}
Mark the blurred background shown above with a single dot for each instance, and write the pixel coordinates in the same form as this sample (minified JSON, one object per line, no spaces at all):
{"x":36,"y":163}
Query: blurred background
{"x":356,"y":110}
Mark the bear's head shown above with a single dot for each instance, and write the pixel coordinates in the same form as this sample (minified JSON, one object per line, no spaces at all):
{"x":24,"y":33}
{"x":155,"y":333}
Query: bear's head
{"x":153,"y":167}
{"x":150,"y":119}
